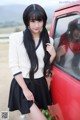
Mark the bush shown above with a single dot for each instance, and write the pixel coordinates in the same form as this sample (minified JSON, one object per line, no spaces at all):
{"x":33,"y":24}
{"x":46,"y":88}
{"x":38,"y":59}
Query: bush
{"x":46,"y":113}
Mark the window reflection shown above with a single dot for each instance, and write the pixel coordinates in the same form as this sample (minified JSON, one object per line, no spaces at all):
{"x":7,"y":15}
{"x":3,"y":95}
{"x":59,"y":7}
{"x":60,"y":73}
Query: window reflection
{"x":68,"y":48}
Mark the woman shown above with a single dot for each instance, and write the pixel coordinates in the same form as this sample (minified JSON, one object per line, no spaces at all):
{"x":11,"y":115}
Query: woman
{"x":30,"y":58}
{"x":68,"y":51}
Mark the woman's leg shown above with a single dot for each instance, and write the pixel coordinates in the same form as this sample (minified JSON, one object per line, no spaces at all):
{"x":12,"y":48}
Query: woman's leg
{"x":36,"y":114}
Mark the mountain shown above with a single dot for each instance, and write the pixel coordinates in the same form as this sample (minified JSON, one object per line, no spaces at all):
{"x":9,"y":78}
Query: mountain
{"x":11,"y":15}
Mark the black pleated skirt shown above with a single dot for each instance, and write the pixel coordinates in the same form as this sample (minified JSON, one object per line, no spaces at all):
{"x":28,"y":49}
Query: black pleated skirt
{"x":39,"y":88}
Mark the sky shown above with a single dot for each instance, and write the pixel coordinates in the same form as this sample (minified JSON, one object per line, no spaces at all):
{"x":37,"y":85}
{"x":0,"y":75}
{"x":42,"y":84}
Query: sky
{"x":41,"y":2}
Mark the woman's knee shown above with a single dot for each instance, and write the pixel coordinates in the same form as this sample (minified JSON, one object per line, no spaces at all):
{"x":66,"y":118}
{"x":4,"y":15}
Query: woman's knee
{"x":36,"y":113}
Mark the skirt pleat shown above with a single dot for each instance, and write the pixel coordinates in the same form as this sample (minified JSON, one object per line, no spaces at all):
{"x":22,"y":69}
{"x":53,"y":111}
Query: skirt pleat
{"x":38,"y":87}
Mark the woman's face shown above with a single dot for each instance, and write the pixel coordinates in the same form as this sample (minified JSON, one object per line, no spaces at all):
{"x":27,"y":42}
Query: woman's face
{"x":76,"y":34}
{"x":35,"y":26}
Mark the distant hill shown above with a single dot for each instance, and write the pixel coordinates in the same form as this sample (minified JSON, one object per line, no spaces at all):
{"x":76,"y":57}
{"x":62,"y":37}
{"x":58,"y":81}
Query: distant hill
{"x":11,"y":15}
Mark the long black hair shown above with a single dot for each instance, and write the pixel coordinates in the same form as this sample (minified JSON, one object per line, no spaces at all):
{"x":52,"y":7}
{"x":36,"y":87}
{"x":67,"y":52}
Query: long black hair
{"x":36,"y":12}
{"x":73,"y":25}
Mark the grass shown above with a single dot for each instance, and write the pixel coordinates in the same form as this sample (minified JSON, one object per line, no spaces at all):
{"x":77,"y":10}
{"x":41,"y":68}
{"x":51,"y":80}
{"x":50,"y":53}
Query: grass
{"x":46,"y":113}
{"x":4,"y":37}
{"x":9,"y":30}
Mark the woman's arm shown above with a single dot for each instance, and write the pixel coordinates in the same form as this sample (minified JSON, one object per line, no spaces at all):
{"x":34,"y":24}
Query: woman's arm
{"x":13,"y":55}
{"x":14,"y":66}
{"x":51,"y":51}
{"x":60,"y":52}
{"x":27,"y":93}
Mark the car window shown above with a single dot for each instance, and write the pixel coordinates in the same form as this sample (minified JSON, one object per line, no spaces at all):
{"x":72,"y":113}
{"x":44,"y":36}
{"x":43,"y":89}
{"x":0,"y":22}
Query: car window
{"x":67,"y":44}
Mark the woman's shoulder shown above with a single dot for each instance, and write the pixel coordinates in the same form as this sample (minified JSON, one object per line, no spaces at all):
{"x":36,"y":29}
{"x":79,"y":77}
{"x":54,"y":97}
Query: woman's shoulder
{"x":16,"y":35}
{"x":16,"y":38}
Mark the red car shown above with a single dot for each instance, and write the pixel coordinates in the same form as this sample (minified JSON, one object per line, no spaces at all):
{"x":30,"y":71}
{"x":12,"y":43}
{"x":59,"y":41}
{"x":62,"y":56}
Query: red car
{"x":65,"y":85}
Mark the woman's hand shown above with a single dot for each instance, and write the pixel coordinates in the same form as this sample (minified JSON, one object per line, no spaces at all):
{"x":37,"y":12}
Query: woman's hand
{"x":28,"y":94}
{"x":51,"y":51}
{"x":50,"y":48}
{"x":60,"y":52}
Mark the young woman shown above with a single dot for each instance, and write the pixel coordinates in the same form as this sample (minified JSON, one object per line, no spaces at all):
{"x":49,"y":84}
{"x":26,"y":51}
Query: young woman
{"x":31,"y":53}
{"x":68,"y":51}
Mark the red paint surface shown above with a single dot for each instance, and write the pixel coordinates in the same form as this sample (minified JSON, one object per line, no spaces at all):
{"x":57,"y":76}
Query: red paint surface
{"x":65,"y":89}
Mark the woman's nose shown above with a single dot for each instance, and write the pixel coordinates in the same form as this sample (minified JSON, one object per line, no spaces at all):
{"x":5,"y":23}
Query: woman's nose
{"x":36,"y":24}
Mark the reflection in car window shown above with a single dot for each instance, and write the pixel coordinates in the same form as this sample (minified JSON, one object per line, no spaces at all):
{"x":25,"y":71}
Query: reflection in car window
{"x":67,"y":44}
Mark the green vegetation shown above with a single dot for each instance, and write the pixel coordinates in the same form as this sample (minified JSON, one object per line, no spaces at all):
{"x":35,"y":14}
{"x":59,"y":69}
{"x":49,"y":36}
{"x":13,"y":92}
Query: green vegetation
{"x":4,"y":37}
{"x":17,"y":29}
{"x":8,"y":30}
{"x":46,"y":113}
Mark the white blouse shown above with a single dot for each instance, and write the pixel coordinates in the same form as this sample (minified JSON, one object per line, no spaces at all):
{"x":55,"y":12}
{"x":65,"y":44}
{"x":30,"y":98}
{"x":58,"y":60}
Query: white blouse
{"x":18,"y":57}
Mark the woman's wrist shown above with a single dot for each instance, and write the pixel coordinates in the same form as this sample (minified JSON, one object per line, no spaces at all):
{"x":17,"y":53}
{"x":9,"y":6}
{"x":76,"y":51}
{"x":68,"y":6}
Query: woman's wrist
{"x":52,"y":57}
{"x":19,"y":78}
{"x":25,"y":88}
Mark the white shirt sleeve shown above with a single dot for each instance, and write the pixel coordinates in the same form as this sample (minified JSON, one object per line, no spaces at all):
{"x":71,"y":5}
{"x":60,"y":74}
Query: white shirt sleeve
{"x":13,"y":56}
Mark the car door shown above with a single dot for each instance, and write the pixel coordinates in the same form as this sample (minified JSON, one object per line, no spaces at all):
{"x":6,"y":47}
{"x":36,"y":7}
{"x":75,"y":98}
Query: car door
{"x":65,"y":84}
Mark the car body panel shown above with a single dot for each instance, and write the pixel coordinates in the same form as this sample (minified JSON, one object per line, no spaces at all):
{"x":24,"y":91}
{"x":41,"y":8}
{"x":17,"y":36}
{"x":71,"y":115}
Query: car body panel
{"x":65,"y":88}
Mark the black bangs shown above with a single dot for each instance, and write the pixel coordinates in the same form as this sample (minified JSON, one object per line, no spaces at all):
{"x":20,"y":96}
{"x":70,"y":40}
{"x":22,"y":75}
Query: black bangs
{"x":34,"y":12}
{"x":36,"y":15}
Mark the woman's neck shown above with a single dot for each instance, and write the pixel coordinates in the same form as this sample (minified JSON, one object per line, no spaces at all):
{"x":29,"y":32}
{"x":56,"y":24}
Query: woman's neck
{"x":35,"y":36}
